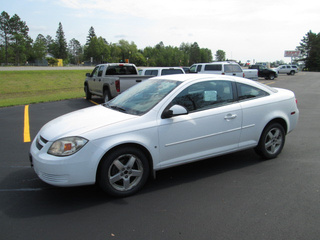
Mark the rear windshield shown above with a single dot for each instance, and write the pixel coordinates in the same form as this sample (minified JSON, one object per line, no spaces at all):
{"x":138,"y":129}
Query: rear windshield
{"x":213,"y":67}
{"x":121,"y":70}
{"x":151,"y":72}
{"x":171,"y":71}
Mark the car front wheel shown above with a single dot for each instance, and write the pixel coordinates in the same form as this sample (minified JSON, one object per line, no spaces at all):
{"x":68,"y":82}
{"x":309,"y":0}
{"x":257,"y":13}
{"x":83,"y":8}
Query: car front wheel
{"x":87,"y":92}
{"x":123,"y":172}
{"x":271,"y":141}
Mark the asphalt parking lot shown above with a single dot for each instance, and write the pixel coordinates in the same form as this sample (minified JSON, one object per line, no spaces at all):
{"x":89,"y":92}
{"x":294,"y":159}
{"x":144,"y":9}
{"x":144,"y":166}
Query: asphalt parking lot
{"x":237,"y":196}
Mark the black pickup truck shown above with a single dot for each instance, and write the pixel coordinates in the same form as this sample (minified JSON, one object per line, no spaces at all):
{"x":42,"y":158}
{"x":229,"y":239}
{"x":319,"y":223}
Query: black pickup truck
{"x":265,"y":72}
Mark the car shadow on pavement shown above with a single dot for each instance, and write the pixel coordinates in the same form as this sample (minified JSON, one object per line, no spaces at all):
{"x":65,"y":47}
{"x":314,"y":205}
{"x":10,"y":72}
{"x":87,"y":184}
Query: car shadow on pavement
{"x":37,"y":198}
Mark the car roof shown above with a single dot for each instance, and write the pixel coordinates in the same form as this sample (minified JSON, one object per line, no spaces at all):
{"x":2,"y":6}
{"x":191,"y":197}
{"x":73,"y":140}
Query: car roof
{"x":204,"y":77}
{"x":218,"y":63}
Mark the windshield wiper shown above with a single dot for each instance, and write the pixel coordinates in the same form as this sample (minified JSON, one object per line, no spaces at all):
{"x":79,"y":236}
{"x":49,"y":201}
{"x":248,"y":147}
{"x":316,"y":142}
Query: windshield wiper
{"x":120,"y":109}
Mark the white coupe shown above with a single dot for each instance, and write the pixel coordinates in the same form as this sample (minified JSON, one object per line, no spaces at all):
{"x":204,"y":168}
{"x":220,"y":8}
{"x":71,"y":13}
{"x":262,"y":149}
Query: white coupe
{"x":160,"y":123}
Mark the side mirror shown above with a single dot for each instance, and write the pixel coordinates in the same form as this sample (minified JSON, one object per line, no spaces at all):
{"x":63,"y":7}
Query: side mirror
{"x":88,"y":74}
{"x":175,"y":110}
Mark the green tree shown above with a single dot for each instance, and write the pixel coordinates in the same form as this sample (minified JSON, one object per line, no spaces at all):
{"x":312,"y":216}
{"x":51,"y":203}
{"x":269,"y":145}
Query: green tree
{"x":220,"y":55}
{"x":14,"y":38}
{"x":75,"y":51}
{"x":195,"y":56}
{"x":97,"y":50}
{"x":5,"y":34}
{"x":40,"y":47}
{"x":91,"y":35}
{"x":60,"y":44}
{"x":310,"y":51}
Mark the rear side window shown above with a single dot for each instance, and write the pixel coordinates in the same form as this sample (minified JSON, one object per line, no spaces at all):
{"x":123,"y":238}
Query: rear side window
{"x":249,"y":92}
{"x":213,"y":67}
{"x":232,"y":68}
{"x":171,"y":71}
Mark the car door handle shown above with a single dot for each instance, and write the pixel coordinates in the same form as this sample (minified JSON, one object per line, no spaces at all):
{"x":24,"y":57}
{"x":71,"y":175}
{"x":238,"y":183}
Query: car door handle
{"x":230,"y":116}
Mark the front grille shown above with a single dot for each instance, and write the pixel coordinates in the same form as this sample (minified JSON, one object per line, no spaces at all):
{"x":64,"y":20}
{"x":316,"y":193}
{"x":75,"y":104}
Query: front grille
{"x":54,"y":178}
{"x":39,"y":146}
{"x":41,"y":142}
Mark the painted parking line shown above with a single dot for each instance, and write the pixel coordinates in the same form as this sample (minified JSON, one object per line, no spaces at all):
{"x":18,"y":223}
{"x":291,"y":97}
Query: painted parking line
{"x":94,"y":102}
{"x":26,"y":131}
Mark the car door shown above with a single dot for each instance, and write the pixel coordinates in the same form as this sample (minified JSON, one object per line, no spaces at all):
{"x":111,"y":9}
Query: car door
{"x":97,"y":80}
{"x":211,"y":127}
{"x":91,"y":79}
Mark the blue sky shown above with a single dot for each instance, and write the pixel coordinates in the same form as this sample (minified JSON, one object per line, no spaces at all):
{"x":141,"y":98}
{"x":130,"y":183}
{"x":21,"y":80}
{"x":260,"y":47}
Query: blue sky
{"x":245,"y":30}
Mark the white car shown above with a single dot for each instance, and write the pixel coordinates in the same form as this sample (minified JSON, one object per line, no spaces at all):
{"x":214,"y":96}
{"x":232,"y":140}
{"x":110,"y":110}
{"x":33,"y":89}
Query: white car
{"x":224,"y":68}
{"x":160,"y":123}
{"x":288,"y":69}
{"x":161,"y":71}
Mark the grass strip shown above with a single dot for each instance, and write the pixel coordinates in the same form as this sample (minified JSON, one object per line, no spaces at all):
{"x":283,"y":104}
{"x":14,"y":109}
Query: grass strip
{"x":27,"y":87}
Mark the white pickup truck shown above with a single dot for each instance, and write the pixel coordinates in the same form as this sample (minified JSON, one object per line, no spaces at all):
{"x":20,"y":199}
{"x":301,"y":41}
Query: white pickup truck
{"x":109,"y":80}
{"x":224,"y":68}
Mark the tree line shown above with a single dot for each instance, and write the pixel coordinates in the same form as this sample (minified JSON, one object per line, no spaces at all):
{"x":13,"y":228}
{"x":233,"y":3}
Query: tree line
{"x":17,"y":48}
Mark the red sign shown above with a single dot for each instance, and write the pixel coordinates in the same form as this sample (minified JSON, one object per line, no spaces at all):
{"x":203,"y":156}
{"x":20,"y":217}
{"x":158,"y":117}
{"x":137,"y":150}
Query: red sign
{"x":292,"y":53}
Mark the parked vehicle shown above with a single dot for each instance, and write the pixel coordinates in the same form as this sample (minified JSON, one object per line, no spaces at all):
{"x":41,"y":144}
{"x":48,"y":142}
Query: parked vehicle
{"x":224,"y":68}
{"x":288,"y":69}
{"x":109,"y":80}
{"x":160,"y":71}
{"x":160,"y":123}
{"x":265,"y":72}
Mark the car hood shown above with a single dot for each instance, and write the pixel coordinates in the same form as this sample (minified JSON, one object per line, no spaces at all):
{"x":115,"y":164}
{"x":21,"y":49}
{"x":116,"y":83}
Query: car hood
{"x":79,"y":122}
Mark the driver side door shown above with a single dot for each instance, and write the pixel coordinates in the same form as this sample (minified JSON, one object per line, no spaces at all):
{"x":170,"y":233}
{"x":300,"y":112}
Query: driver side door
{"x":212,"y":126}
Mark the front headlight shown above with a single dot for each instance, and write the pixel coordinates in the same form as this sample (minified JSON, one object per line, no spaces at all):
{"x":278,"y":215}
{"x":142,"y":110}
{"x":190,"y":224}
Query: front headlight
{"x":67,"y":146}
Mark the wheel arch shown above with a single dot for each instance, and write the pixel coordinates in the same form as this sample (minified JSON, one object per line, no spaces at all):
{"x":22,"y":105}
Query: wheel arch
{"x":135,"y":145}
{"x":279,"y":120}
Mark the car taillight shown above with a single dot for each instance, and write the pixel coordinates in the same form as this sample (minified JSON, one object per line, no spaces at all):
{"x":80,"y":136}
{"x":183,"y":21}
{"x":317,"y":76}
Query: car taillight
{"x":244,"y":75}
{"x":117,"y":83}
{"x":223,"y":73}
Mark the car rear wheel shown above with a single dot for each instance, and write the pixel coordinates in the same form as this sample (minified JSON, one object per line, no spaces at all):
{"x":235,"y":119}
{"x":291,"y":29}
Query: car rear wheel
{"x":271,"y":141}
{"x":106,"y":95}
{"x":271,"y":76}
{"x":123,"y":172}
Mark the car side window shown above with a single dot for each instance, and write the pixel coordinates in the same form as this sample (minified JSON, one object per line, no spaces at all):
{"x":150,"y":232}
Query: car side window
{"x":249,"y":92}
{"x":100,"y":71}
{"x":94,"y":72}
{"x":205,"y":95}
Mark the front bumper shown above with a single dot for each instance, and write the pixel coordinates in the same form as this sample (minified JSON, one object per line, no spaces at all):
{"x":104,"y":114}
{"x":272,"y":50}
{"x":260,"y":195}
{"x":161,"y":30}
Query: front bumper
{"x":77,"y":169}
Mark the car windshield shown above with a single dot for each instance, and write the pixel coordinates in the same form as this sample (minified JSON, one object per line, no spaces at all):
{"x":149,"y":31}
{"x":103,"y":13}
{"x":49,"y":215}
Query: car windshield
{"x":140,"y":98}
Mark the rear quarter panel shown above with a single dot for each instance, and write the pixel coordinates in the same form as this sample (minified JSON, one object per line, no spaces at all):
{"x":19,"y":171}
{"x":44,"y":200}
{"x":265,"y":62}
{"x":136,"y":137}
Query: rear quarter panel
{"x":257,"y":113}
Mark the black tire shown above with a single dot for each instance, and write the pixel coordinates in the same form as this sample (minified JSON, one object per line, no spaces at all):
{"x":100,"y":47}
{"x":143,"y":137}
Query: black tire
{"x":106,"y":95}
{"x":271,"y":141}
{"x":271,"y":76}
{"x":123,"y":172}
{"x":292,"y":73}
{"x":87,"y":92}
